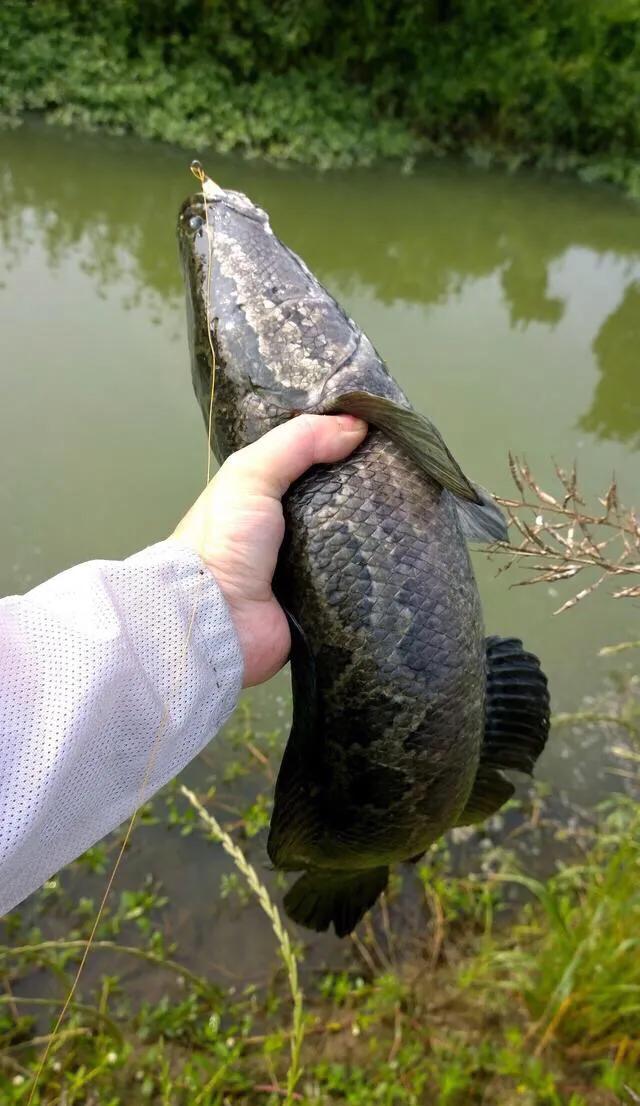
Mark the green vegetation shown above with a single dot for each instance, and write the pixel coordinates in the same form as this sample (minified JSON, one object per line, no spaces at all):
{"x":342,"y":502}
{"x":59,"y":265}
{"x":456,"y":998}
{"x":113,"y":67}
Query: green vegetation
{"x":475,"y":982}
{"x":550,"y":82}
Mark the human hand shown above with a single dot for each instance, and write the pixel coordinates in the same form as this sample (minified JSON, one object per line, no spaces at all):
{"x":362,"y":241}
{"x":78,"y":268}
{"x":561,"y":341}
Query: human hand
{"x":237,"y":527}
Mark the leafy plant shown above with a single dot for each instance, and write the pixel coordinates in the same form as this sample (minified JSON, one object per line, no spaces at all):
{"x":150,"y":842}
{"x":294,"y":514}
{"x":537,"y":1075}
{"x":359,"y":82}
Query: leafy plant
{"x":555,"y":84}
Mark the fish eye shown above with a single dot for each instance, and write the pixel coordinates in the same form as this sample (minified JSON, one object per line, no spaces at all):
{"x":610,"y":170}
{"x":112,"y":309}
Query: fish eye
{"x":196,"y":221}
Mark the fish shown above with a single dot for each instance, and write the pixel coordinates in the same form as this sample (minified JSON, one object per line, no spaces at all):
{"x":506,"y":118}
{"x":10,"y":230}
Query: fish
{"x":406,"y":717}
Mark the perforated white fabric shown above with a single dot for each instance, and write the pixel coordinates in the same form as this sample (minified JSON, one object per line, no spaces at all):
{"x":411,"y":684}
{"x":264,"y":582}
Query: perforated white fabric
{"x":89,"y":661}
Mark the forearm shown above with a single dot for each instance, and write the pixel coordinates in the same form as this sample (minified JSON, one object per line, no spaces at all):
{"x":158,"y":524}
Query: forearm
{"x":112,"y":672}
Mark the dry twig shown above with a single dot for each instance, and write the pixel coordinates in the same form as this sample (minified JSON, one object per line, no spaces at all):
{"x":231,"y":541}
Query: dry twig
{"x":560,"y":539}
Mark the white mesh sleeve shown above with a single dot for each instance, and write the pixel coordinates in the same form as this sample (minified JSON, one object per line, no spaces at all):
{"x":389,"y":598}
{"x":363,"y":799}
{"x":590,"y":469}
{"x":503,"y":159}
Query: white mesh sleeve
{"x":105,"y":670}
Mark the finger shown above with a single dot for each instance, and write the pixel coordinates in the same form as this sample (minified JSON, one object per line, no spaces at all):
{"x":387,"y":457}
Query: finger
{"x":281,"y":456}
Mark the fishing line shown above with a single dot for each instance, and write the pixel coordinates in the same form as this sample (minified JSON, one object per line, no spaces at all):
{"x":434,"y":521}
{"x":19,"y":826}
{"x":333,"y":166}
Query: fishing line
{"x":201,"y":176}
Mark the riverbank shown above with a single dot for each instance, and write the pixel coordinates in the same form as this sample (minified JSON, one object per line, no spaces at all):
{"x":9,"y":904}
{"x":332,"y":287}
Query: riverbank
{"x":339,"y":85}
{"x":474,"y":983}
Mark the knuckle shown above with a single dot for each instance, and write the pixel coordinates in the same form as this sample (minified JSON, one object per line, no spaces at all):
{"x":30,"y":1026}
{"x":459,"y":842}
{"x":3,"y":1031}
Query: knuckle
{"x":310,"y":436}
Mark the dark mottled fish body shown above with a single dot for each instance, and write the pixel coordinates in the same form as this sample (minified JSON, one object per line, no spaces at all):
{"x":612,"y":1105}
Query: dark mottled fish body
{"x":390,"y":744}
{"x":377,"y":571}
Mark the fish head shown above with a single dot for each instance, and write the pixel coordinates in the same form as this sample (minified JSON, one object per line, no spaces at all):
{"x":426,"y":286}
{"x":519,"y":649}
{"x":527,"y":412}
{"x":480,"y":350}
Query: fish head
{"x":223,"y":384}
{"x":277,"y":337}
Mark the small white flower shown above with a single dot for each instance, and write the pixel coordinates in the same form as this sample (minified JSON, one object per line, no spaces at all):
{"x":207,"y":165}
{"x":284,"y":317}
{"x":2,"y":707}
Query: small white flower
{"x":112,"y":1057}
{"x":18,"y":1080}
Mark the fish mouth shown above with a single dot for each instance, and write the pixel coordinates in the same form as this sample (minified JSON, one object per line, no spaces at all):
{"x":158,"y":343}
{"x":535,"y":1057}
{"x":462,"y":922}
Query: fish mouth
{"x":192,"y":215}
{"x":193,"y":208}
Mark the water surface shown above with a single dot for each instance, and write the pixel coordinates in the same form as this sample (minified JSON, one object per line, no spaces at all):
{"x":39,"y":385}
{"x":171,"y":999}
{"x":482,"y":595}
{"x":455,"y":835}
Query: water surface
{"x":507,"y":307}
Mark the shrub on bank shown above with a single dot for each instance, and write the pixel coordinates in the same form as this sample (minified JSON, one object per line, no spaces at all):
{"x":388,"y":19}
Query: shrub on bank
{"x":552,"y":82}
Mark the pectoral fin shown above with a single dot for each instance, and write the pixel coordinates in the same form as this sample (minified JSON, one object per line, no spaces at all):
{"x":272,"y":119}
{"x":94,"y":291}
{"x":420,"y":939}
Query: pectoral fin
{"x":516,"y":726}
{"x":415,"y":433}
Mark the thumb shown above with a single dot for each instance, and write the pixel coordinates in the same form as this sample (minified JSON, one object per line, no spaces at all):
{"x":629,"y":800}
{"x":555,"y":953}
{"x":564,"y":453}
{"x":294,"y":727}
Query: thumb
{"x":273,"y":462}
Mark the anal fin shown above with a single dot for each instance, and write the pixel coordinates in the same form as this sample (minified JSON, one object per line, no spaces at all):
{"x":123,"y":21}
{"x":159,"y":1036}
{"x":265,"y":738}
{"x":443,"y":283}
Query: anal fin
{"x":319,"y":898}
{"x":295,"y":822}
{"x":516,"y":725}
{"x":490,"y":791}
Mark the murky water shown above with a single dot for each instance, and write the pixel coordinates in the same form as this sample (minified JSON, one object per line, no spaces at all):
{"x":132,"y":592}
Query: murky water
{"x":508,"y":309}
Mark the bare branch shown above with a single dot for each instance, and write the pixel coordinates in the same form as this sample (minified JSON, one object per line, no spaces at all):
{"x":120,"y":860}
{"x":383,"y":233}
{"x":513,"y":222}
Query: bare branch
{"x":558,"y":538}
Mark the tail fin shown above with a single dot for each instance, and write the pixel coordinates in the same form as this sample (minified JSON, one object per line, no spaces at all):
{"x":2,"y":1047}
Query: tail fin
{"x":319,"y":898}
{"x":516,"y":726}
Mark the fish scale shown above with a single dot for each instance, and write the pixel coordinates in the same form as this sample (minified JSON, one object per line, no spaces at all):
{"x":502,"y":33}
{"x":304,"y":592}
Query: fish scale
{"x":404,"y":715}
{"x":391,"y":633}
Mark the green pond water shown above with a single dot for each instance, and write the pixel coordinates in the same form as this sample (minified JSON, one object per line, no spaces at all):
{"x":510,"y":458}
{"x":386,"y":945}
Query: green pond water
{"x":507,"y":307}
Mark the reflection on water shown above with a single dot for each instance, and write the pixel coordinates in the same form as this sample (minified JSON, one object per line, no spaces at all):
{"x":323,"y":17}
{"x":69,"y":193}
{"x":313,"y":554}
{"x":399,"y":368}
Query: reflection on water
{"x":615,"y":410}
{"x":525,"y":287}
{"x":508,"y":308}
{"x":118,"y":202}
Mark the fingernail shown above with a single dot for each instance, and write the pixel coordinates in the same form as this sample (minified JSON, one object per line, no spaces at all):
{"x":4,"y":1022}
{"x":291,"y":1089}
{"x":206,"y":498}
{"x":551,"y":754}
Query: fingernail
{"x":351,"y":425}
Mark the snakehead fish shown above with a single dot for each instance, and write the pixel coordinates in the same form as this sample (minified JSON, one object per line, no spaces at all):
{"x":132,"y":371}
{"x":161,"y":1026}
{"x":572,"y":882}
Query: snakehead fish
{"x":405,"y":717}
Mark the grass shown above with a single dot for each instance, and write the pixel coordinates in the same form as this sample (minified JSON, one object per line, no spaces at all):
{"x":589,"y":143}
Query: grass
{"x":282,"y":937}
{"x":477,"y":981}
